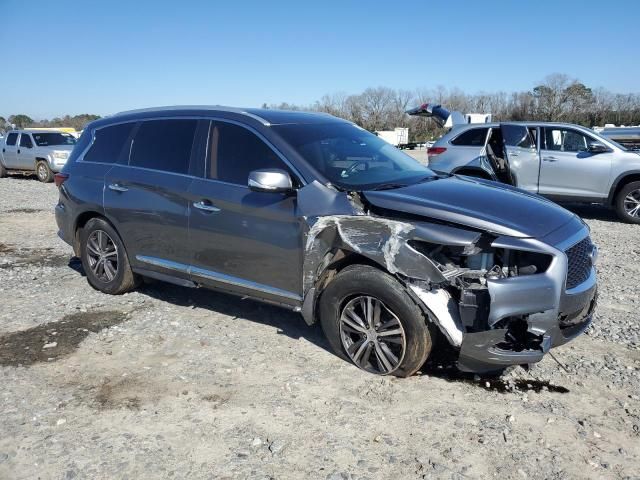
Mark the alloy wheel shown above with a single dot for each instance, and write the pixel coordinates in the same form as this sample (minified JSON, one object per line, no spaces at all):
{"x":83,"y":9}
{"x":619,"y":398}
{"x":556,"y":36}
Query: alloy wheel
{"x":102,"y":253}
{"x":372,"y":335}
{"x":632,"y":203}
{"x":42,"y":172}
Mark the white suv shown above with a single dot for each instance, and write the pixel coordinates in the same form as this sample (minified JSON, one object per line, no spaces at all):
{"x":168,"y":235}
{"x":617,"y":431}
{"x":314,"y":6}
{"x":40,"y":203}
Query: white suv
{"x":565,"y":162}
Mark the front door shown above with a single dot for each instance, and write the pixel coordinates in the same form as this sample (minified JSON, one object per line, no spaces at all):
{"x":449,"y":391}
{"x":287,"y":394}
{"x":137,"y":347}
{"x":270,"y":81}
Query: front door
{"x":26,"y":158}
{"x":568,"y":168}
{"x":10,"y":150}
{"x":240,"y":239}
{"x":522,"y":156}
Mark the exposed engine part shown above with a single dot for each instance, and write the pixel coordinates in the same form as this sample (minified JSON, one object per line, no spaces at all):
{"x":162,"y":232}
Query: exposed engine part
{"x":474,"y":308}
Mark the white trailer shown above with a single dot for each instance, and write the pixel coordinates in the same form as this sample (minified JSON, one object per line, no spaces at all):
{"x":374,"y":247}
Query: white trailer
{"x":397,"y":137}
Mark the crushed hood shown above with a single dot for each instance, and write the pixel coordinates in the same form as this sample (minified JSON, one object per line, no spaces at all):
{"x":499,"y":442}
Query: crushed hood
{"x":476,"y":203}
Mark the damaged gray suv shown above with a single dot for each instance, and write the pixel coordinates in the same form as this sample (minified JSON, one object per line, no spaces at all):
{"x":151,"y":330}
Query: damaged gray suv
{"x":311,"y":212}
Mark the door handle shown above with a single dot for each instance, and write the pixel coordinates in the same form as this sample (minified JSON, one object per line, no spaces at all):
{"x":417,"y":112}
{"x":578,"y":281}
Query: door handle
{"x":513,"y":154}
{"x":206,"y":206}
{"x":18,"y":151}
{"x":550,"y":159}
{"x":117,"y":188}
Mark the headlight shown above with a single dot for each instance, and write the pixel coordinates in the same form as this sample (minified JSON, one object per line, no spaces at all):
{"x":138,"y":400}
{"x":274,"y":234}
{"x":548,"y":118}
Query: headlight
{"x":61,"y":155}
{"x":483,"y":261}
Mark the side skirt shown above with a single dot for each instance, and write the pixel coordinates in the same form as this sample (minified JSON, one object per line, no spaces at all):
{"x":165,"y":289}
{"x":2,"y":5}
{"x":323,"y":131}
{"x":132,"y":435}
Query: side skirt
{"x":201,"y":278}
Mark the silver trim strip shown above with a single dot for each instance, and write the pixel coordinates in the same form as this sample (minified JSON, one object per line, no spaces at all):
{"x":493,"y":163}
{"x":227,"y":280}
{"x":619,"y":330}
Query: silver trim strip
{"x":158,"y":262}
{"x":218,"y":277}
{"x":203,"y":108}
{"x":211,"y":118}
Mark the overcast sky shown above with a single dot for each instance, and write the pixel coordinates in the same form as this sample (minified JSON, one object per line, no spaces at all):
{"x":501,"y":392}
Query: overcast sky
{"x":71,"y":57}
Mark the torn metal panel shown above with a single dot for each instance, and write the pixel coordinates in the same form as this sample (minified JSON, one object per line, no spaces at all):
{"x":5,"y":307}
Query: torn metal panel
{"x":382,"y":240}
{"x":445,"y":310}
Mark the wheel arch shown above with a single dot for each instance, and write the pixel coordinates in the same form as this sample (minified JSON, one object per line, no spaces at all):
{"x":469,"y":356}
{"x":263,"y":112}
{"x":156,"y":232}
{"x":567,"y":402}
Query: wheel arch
{"x":620,"y":182}
{"x":335,"y":262}
{"x":81,"y":220}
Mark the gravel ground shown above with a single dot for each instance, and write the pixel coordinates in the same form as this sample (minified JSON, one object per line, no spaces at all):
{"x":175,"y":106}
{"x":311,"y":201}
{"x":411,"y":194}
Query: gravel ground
{"x":169,"y":382}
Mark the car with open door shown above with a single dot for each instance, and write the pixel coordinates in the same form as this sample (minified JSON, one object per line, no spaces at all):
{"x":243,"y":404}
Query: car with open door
{"x":563,"y":162}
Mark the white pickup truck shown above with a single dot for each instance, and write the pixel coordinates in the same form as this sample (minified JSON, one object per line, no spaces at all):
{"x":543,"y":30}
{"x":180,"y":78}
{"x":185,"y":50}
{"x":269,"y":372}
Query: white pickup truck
{"x":41,"y":151}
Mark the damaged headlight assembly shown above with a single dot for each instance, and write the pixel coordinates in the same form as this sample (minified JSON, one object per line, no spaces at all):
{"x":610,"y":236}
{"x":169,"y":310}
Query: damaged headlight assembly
{"x":468,"y":270}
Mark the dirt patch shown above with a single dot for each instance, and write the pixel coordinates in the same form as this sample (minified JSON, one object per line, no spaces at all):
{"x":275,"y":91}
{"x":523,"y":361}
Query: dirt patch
{"x":54,"y":340}
{"x":122,"y":393}
{"x":44,"y":257}
{"x":6,"y":248}
{"x":215,"y":400}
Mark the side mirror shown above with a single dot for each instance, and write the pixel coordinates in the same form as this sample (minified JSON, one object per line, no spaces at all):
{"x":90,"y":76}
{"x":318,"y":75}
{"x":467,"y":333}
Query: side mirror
{"x":270,"y":180}
{"x":597,"y":147}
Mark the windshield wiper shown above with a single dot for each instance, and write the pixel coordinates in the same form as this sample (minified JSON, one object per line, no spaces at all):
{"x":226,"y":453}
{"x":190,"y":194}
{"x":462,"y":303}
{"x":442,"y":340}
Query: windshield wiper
{"x":388,"y":186}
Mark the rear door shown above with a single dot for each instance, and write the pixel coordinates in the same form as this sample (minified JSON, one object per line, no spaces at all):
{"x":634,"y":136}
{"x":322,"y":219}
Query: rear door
{"x":568,"y":168}
{"x":106,"y":147}
{"x":145,"y":198}
{"x":240,"y":239}
{"x":26,"y":159}
{"x":522,"y":155}
{"x":10,"y":150}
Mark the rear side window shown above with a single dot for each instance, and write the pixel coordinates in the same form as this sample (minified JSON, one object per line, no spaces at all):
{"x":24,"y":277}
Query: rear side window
{"x":108,"y":143}
{"x":12,"y":138}
{"x":164,"y":145}
{"x":517,"y":136}
{"x":474,"y":137}
{"x":25,"y":140}
{"x":235,"y":151}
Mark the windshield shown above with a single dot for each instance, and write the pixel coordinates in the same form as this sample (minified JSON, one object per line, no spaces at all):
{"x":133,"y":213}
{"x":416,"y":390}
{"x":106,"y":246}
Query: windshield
{"x":53,"y":138}
{"x":352,"y":158}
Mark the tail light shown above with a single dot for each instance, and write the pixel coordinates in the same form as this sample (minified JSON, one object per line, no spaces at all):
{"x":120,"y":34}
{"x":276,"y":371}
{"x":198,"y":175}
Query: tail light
{"x":433,"y":151}
{"x":60,"y":178}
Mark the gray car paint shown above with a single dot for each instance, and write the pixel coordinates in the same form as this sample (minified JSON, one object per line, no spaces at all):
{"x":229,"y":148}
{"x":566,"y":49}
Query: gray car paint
{"x":283,"y":247}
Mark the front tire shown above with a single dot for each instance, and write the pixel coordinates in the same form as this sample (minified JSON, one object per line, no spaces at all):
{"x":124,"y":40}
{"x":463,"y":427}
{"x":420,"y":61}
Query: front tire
{"x":43,"y":172}
{"x":3,"y":171}
{"x":104,"y":258}
{"x":628,"y":203}
{"x":371,"y":321}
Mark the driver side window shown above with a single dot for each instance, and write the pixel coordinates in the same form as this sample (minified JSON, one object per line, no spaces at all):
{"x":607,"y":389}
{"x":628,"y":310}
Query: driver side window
{"x":565,"y":140}
{"x":234,"y":152}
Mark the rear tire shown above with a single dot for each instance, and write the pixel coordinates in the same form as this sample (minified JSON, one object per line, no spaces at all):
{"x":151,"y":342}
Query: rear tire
{"x":627,"y":203}
{"x":43,"y":172}
{"x":394,"y":341}
{"x":104,"y":259}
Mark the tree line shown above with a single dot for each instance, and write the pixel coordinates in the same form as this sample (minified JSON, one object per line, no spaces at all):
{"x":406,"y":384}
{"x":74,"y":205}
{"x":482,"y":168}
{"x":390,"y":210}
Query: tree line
{"x":24,"y":121}
{"x":558,"y":98}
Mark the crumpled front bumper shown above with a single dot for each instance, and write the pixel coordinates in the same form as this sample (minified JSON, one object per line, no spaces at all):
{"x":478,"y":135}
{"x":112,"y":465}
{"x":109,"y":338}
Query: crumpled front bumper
{"x":553,"y":314}
{"x":485,"y":351}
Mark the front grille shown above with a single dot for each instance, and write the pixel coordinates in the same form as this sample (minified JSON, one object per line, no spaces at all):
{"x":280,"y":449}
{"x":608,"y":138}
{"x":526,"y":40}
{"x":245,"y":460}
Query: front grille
{"x":579,"y":263}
